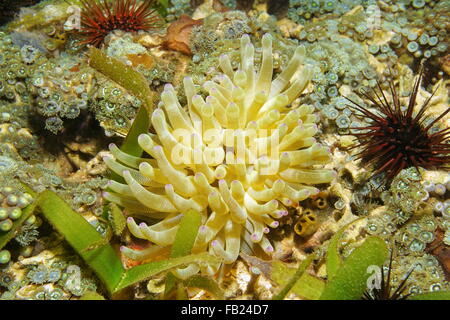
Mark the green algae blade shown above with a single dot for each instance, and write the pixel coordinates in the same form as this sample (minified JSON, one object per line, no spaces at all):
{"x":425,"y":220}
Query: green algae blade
{"x":136,"y":84}
{"x":91,"y":295}
{"x":307,"y":286}
{"x":300,"y":271}
{"x":184,"y":241}
{"x":161,"y":6}
{"x":104,"y":261}
{"x":181,"y":293}
{"x":116,"y":219}
{"x":350,"y":280}
{"x":145,"y":271}
{"x":130,"y":145}
{"x":26,"y":213}
{"x":205,"y":283}
{"x":81,"y":235}
{"x":333,"y":258}
{"x":438,"y":295}
{"x":164,"y":3}
{"x":186,"y":234}
{"x":180,"y":255}
{"x":140,"y":125}
{"x":125,"y":76}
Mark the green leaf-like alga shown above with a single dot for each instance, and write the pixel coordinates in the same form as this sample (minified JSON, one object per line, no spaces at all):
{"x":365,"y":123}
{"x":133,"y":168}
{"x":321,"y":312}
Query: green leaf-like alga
{"x":145,"y":271}
{"x":116,"y":218}
{"x":124,"y":75}
{"x":307,"y":286}
{"x":184,"y":241}
{"x":333,"y":258}
{"x":205,"y":283}
{"x":81,"y":236}
{"x":350,"y":280}
{"x":301,"y":269}
{"x":26,"y":213}
{"x":136,"y":84}
{"x":437,"y":295}
{"x":91,"y":295}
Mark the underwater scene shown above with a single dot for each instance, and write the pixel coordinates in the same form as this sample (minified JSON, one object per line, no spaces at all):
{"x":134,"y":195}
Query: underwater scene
{"x":224,"y":150}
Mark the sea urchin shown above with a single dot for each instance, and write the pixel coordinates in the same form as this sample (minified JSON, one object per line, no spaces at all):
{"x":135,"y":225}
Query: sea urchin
{"x":396,"y":138}
{"x":384,"y":292}
{"x":100,"y":17}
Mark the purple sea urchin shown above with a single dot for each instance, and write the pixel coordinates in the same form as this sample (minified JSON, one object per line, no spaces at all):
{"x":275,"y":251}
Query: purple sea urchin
{"x":397,"y":139}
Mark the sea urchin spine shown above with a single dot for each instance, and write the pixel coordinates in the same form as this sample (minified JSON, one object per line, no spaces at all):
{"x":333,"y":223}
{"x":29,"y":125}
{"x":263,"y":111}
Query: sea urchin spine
{"x":100,"y":17}
{"x":396,"y":138}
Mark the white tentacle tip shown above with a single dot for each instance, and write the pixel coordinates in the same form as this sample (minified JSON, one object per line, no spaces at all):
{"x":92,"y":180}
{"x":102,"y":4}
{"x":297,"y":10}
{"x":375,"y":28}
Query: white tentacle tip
{"x":142,"y":136}
{"x":266,"y":38}
{"x":213,"y":193}
{"x":168,"y":87}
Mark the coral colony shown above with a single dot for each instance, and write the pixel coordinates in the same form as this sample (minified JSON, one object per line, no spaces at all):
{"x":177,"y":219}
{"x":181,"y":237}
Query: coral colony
{"x":224,"y":149}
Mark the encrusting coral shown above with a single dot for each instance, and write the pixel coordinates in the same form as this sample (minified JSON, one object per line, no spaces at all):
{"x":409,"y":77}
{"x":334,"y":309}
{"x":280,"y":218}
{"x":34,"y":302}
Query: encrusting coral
{"x":241,"y":157}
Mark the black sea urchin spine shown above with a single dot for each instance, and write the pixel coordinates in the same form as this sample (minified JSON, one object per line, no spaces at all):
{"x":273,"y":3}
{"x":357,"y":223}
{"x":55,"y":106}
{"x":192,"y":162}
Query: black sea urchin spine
{"x":397,"y":139}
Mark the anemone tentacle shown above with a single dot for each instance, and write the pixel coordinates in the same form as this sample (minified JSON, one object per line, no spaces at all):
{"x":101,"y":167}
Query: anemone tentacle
{"x":240,"y":157}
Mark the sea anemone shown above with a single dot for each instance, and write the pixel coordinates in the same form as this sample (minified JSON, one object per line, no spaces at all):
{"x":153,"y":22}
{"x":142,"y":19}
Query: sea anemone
{"x":396,"y":138}
{"x":100,"y":17}
{"x":241,"y":157}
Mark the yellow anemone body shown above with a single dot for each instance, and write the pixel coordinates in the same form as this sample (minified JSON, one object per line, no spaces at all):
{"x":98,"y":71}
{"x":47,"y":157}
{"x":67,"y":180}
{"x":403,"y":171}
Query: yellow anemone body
{"x":241,"y":157}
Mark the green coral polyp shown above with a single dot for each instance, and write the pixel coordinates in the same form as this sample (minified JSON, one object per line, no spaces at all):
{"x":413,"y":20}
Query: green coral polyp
{"x":237,"y":199}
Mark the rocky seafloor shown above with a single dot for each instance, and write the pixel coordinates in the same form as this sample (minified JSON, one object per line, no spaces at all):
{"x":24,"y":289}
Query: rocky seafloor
{"x":66,"y":107}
